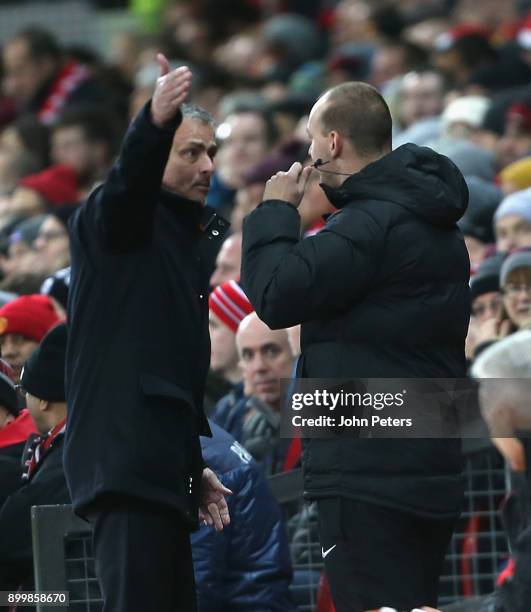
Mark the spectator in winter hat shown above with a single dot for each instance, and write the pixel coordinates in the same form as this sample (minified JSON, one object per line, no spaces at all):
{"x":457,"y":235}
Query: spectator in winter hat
{"x":52,"y":187}
{"x":512,"y":222}
{"x":487,"y":305}
{"x":228,"y":306}
{"x":228,"y":261}
{"x":23,"y":324}
{"x":56,"y":185}
{"x":515,"y":281}
{"x":485,"y":291}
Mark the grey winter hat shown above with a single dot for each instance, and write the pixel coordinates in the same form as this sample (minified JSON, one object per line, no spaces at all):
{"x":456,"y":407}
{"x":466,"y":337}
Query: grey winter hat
{"x":518,"y":203}
{"x":515,"y":261}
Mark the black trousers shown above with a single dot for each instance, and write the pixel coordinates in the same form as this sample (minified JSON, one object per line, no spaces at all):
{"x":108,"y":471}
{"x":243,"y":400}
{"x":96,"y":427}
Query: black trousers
{"x":143,"y":557}
{"x":376,"y":556}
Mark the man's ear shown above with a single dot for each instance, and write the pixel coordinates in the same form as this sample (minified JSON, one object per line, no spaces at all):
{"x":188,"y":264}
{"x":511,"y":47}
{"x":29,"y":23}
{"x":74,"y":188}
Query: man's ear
{"x":336,"y":144}
{"x":44,"y":405}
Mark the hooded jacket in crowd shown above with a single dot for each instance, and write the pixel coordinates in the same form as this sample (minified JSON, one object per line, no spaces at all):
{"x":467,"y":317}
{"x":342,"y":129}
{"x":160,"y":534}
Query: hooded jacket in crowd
{"x":381,"y":292}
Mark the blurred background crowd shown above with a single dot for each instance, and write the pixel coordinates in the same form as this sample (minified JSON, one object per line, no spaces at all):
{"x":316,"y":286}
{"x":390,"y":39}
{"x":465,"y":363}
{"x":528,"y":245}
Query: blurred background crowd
{"x":455,"y":73}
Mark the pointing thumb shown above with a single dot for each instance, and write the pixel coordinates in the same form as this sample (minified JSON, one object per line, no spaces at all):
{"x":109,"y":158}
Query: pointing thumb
{"x":163,"y":63}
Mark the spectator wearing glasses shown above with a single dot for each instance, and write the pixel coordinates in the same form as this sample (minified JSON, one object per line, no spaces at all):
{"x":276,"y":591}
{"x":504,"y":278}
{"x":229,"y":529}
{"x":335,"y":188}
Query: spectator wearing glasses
{"x":487,"y":305}
{"x":515,"y":280}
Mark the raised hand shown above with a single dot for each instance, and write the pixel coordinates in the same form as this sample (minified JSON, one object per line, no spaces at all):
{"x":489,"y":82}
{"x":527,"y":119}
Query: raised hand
{"x":171,"y":91}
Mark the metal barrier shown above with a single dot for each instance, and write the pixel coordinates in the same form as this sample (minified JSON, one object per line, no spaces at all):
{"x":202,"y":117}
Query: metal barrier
{"x":63,"y":552}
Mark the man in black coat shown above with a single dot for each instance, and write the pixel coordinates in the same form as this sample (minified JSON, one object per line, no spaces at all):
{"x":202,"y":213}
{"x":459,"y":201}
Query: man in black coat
{"x":381,"y":292}
{"x":143,"y":249}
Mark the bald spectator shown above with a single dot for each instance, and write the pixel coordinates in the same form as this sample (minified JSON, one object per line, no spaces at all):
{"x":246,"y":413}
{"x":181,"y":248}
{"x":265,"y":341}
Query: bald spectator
{"x":265,"y":358}
{"x":512,"y":222}
{"x":228,"y":261}
{"x":23,"y":324}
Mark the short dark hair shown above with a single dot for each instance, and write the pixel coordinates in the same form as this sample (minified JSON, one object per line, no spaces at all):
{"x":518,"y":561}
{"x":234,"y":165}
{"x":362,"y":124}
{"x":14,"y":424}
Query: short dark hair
{"x":41,"y":43}
{"x":271,"y":130}
{"x":359,"y":113}
{"x":96,"y":125}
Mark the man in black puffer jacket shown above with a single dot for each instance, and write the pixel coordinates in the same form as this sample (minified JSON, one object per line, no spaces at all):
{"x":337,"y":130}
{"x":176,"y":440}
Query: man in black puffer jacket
{"x":381,"y":292}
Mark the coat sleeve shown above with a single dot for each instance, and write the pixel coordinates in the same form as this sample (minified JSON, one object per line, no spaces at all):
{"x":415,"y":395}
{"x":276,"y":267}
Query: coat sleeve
{"x":289,"y":280}
{"x":121,"y":210}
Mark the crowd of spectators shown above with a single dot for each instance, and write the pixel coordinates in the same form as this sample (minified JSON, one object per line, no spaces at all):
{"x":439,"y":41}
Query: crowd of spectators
{"x":455,"y":73}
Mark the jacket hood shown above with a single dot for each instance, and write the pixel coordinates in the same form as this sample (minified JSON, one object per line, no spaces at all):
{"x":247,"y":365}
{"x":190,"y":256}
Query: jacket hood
{"x":427,"y":184}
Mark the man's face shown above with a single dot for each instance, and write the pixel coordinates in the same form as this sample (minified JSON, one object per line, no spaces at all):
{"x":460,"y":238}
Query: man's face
{"x":228,"y":262}
{"x":487,"y":306}
{"x":23,"y":74}
{"x":265,"y":358}
{"x":422,"y":97}
{"x":15,"y":349}
{"x":512,"y":232}
{"x":71,"y":147}
{"x":245,"y":145}
{"x":223,"y":353}
{"x":53,"y":244}
{"x":5,"y":417}
{"x":191,"y":162}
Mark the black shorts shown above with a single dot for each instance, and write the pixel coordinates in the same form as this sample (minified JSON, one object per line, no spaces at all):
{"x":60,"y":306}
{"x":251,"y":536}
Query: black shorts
{"x":376,"y":556}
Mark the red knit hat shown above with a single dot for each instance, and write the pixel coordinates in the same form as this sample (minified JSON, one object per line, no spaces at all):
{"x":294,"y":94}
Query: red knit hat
{"x":57,"y":184}
{"x":30,"y":316}
{"x":230,"y":304}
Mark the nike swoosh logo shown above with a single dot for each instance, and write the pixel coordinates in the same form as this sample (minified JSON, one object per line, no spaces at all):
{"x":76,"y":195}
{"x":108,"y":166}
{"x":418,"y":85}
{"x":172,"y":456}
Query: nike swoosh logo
{"x":325,"y":553}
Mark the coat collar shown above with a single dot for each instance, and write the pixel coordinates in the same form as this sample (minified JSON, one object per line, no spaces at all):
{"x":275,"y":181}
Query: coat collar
{"x":194,"y":214}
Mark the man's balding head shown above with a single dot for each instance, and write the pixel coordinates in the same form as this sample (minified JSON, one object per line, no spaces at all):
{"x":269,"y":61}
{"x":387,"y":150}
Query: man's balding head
{"x":359,"y":113}
{"x":265,"y":358}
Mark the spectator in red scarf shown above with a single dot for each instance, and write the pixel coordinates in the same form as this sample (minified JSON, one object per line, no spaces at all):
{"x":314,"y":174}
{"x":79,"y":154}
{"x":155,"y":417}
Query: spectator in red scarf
{"x":41,"y":80}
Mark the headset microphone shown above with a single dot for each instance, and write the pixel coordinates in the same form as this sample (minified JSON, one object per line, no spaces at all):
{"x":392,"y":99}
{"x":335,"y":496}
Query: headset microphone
{"x":319,"y":162}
